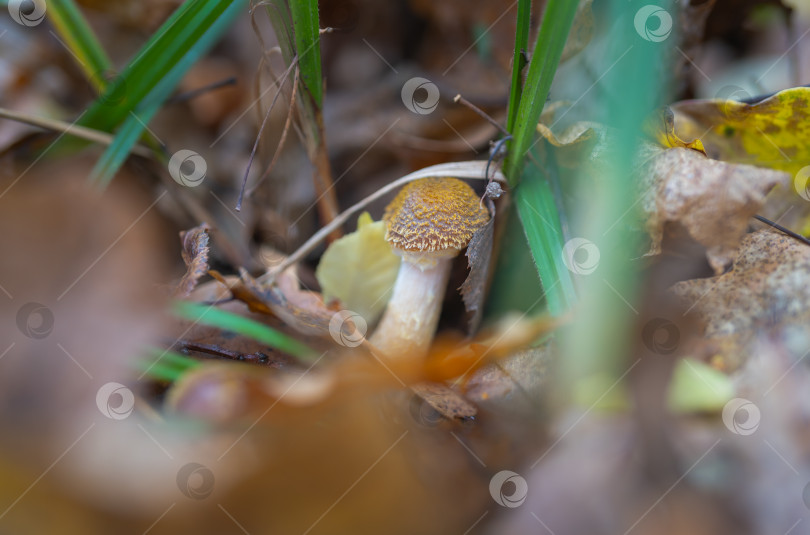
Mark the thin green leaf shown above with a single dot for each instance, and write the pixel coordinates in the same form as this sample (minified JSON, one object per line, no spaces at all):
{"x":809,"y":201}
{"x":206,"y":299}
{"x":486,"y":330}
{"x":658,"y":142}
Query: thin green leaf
{"x":136,"y":120}
{"x":519,"y":60}
{"x":306,"y":31}
{"x":167,"y":365}
{"x":541,"y":223}
{"x":74,"y":30}
{"x":176,"y":38}
{"x":557,"y":20}
{"x":229,"y":321}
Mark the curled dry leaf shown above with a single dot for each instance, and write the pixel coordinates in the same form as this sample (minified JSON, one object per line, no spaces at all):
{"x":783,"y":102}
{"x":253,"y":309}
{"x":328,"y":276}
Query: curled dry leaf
{"x":589,"y":142}
{"x":195,"y":256}
{"x":772,"y":132}
{"x":712,"y":200}
{"x":303,"y":310}
{"x":581,"y":31}
{"x":479,"y":256}
{"x":661,"y":127}
{"x":767,"y":291}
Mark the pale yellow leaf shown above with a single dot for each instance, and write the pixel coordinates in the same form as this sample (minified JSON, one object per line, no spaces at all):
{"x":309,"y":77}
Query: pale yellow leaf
{"x":359,"y":269}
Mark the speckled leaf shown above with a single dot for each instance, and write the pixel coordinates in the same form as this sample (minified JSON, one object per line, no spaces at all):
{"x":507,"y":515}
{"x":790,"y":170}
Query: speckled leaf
{"x":772,"y":132}
{"x":766,"y":292}
{"x":359,"y":269}
{"x":479,"y":255}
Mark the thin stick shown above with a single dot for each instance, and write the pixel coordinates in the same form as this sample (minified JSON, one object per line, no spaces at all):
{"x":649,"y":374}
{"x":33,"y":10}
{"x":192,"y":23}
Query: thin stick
{"x":293,"y":63}
{"x":471,"y":170}
{"x":779,"y":227}
{"x":458,"y":99}
{"x":188,"y":95}
{"x":55,"y":125}
{"x":284,"y":132}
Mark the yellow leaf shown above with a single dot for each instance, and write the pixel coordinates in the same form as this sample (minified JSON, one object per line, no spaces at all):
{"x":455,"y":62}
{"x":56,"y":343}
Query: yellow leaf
{"x":661,"y":126}
{"x":359,"y":269}
{"x":770,"y":133}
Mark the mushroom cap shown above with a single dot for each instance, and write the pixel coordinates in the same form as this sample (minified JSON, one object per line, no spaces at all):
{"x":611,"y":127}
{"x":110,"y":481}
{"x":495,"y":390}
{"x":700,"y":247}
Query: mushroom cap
{"x":434,"y":215}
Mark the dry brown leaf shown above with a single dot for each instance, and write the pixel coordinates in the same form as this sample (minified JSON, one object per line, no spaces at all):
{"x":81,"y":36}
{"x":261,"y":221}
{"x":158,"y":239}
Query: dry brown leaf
{"x":582,"y":142}
{"x":195,"y":256}
{"x":517,"y":383}
{"x":445,"y":400}
{"x":581,"y":31}
{"x":712,"y":200}
{"x":767,"y":290}
{"x":479,"y":256}
{"x":303,"y":310}
{"x":207,"y":342}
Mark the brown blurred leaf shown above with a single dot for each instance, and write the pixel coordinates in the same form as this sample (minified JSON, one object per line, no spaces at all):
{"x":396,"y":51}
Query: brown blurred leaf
{"x":241,"y":292}
{"x":766,"y":291}
{"x":195,"y":256}
{"x":517,"y":383}
{"x":445,"y":400}
{"x":303,"y":310}
{"x":479,"y":255}
{"x":204,"y":341}
{"x":712,"y":200}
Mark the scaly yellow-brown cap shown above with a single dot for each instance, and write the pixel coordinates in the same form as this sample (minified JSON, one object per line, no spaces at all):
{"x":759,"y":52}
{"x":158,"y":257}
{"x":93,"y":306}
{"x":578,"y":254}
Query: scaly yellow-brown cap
{"x":434,"y":215}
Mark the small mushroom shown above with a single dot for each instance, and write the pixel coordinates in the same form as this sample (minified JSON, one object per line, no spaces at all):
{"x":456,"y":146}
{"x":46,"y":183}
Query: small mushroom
{"x":428,"y":223}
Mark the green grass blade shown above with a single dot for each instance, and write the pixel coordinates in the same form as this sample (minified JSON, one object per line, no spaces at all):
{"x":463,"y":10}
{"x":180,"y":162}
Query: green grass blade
{"x":229,"y":321}
{"x":179,"y":35}
{"x":135,"y":122}
{"x":166,"y":365}
{"x":306,"y":31}
{"x":296,"y":25}
{"x":538,"y":214}
{"x":557,"y":20}
{"x":519,"y":60}
{"x":74,"y":30}
{"x":125,"y":138}
{"x":599,"y":346}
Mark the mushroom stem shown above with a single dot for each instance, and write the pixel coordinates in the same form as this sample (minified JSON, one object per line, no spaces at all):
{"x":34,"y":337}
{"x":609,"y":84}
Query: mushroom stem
{"x":409,"y":322}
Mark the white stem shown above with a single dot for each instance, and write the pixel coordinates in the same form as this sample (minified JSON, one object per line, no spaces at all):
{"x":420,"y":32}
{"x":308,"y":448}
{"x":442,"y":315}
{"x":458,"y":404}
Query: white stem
{"x":409,"y":323}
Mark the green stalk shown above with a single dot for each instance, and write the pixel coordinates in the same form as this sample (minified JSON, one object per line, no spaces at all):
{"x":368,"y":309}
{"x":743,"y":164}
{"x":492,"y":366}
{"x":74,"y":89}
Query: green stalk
{"x":519,"y":60}
{"x":74,"y":30}
{"x":598,"y":344}
{"x":557,"y":20}
{"x":307,"y":36}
